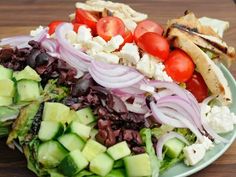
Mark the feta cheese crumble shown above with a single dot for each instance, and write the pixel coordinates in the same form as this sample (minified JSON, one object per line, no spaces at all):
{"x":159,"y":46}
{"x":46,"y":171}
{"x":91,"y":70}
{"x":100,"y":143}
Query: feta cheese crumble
{"x":37,"y":31}
{"x":146,"y":65}
{"x":129,"y":54}
{"x":114,"y":43}
{"x":84,"y":34}
{"x":220,"y":119}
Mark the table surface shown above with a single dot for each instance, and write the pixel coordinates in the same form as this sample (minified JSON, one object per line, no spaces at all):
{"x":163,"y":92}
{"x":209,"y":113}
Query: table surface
{"x":19,"y":16}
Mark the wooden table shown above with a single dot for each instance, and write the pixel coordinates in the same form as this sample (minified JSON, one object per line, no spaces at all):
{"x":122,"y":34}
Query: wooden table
{"x":18,"y":17}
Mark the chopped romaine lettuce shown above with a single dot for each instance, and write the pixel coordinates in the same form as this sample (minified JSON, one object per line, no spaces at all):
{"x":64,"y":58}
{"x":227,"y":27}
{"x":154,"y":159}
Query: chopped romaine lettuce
{"x":163,"y":129}
{"x":190,"y":137}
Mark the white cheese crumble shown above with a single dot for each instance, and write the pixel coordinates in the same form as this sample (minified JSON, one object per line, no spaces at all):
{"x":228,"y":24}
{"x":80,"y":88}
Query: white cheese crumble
{"x":71,"y":36}
{"x":37,"y":31}
{"x":114,"y":43}
{"x":146,"y":65}
{"x":160,"y":73}
{"x":84,"y":34}
{"x":129,"y":54}
{"x":220,"y":119}
{"x":106,"y":57}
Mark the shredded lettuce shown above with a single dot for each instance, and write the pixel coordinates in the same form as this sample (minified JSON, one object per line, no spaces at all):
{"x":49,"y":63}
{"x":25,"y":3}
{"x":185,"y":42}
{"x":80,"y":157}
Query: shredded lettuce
{"x":155,"y":162}
{"x":163,"y":129}
{"x":190,"y":137}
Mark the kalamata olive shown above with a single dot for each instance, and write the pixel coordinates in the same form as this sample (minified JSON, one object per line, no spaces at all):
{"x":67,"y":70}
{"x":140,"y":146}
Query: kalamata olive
{"x":31,"y":60}
{"x":81,"y":88}
{"x":149,"y":99}
{"x":42,"y":59}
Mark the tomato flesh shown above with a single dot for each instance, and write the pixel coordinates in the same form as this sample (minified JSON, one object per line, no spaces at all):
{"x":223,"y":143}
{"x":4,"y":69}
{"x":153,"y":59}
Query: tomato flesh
{"x":197,"y":86}
{"x":85,"y":17}
{"x":147,"y":26}
{"x":107,"y":27}
{"x":155,"y":45}
{"x":179,"y":66}
{"x":53,"y":25}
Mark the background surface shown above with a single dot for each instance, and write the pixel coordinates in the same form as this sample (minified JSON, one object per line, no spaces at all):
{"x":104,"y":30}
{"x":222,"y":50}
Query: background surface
{"x":20,"y":16}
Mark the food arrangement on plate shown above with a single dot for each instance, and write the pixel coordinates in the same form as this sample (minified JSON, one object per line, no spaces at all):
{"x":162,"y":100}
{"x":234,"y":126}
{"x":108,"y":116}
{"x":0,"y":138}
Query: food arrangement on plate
{"x":112,"y":93}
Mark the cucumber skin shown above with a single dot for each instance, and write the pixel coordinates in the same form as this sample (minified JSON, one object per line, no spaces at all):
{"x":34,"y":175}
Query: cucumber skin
{"x":44,"y":127}
{"x":73,"y":163}
{"x":45,"y":153}
{"x":64,"y":141}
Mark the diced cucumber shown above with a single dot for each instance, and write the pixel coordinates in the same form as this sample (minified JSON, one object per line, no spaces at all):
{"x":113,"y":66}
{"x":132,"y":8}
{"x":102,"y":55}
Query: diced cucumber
{"x":72,"y":116}
{"x":174,"y":147}
{"x":119,"y":150}
{"x":7,"y":88}
{"x":116,"y":173}
{"x":54,"y":173}
{"x":92,"y":124}
{"x":119,"y":164}
{"x":93,"y":133}
{"x":73,"y":163}
{"x":71,"y":141}
{"x":28,"y":90}
{"x":5,"y":101}
{"x":27,"y":74}
{"x":84,"y":173}
{"x":80,"y":129}
{"x":101,"y":164}
{"x":5,"y":73}
{"x":50,"y":130}
{"x":56,"y":112}
{"x":51,"y":153}
{"x":85,"y":115}
{"x":92,"y":148}
{"x":138,"y":165}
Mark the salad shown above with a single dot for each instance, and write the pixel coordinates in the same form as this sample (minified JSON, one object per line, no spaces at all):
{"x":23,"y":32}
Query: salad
{"x":112,"y":93}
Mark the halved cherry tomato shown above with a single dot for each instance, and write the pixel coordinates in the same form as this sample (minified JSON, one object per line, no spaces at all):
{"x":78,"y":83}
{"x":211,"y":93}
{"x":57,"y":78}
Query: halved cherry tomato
{"x":76,"y":26}
{"x":197,"y":86}
{"x":155,"y":45}
{"x":179,"y":66}
{"x":53,"y":25}
{"x":85,"y":17}
{"x":147,"y":26}
{"x":107,"y":27}
{"x":128,"y":38}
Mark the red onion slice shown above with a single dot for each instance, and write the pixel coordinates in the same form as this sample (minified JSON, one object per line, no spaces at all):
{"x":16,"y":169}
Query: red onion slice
{"x":163,"y":119}
{"x":50,"y":45}
{"x":136,"y":108}
{"x":14,"y":41}
{"x":163,"y":139}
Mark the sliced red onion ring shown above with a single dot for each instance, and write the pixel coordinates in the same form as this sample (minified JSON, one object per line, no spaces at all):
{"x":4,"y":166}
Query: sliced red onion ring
{"x":162,"y":93}
{"x":185,"y":105}
{"x":163,"y":119}
{"x":189,"y":124}
{"x":136,"y":108}
{"x":209,"y":130}
{"x":163,"y":139}
{"x":60,"y":32}
{"x":42,"y":35}
{"x":50,"y":45}
{"x":14,"y":41}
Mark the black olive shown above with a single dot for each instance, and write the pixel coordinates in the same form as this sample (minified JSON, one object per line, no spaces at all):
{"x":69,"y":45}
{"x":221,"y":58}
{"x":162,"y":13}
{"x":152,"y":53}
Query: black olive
{"x":31,"y":60}
{"x":149,"y":99}
{"x":81,"y":88}
{"x":42,"y":59}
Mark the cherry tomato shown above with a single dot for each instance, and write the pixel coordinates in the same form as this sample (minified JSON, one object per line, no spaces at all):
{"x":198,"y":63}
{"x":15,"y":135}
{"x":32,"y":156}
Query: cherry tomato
{"x":107,"y":27}
{"x":85,"y":17}
{"x":179,"y":66}
{"x":76,"y":26}
{"x":147,"y":26}
{"x":128,"y":38}
{"x":197,"y":86}
{"x":52,"y":26}
{"x":155,"y":45}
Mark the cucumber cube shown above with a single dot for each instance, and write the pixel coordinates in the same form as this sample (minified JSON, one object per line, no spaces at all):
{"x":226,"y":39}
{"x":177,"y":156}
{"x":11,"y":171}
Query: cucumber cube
{"x":71,"y":141}
{"x":117,"y":173}
{"x":119,"y":150}
{"x":27,"y":74}
{"x":174,"y":147}
{"x":73,"y":163}
{"x":7,"y":88}
{"x":92,"y":149}
{"x":50,"y":130}
{"x":56,"y":112}
{"x":5,"y":73}
{"x":138,"y":165}
{"x":50,"y":154}
{"x":101,"y":164}
{"x":81,"y":130}
{"x":5,"y":101}
{"x":85,"y":115}
{"x":28,"y":90}
{"x":93,"y":133}
{"x":119,"y":164}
